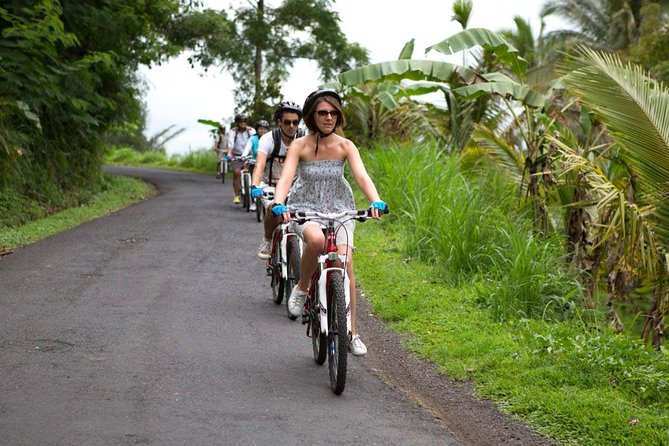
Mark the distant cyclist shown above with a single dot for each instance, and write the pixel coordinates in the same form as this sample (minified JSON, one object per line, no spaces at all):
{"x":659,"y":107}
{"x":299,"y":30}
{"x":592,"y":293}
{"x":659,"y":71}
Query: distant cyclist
{"x":237,"y":140}
{"x":251,"y":149}
{"x":220,"y":147}
{"x":272,"y":149}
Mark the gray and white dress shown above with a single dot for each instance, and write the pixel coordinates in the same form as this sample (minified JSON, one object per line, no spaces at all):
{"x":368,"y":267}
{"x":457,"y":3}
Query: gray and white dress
{"x":320,"y":186}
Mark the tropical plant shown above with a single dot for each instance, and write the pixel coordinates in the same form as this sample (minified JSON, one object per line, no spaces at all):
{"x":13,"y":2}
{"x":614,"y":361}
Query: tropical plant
{"x":632,"y":216}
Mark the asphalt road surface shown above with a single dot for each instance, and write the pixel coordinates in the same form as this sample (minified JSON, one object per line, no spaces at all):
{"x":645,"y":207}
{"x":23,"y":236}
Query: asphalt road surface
{"x":155,"y":325}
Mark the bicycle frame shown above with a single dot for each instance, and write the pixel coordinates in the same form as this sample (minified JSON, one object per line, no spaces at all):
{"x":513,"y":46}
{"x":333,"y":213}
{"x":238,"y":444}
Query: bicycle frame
{"x":327,"y":263}
{"x":286,"y":233}
{"x":330,"y":260}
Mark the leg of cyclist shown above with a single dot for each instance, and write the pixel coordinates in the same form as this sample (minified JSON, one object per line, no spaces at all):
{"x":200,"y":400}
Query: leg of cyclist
{"x":356,"y":345}
{"x":270,"y":222}
{"x":237,"y":180}
{"x":313,"y":238}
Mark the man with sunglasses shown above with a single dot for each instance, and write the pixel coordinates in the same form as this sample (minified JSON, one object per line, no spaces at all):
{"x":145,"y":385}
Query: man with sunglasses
{"x":272,"y":149}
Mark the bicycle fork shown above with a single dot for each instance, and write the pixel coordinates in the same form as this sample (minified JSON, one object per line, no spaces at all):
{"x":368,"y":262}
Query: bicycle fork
{"x":324,"y":260}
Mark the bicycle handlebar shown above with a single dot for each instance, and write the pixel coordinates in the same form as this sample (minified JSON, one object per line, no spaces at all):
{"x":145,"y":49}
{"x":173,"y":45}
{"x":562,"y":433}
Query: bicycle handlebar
{"x":357,"y":214}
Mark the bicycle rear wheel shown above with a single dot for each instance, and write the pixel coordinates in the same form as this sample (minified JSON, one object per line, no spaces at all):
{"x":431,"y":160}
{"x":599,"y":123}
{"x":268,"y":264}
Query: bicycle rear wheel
{"x":318,"y":339}
{"x":337,"y":332}
{"x":294,"y":256}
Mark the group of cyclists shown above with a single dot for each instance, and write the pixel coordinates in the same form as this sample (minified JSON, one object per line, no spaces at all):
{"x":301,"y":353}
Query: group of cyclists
{"x":307,"y":173}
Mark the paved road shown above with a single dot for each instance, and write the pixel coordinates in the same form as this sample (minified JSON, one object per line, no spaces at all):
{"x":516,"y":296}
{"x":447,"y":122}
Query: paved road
{"x":155,"y":325}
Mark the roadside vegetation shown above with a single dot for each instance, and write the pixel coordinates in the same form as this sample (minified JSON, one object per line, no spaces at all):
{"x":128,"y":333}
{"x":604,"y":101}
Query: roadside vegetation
{"x":118,"y":192}
{"x":202,"y":161}
{"x":455,"y":266}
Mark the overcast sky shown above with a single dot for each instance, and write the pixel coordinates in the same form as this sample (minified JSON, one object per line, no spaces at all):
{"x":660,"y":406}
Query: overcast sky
{"x":179,"y":95}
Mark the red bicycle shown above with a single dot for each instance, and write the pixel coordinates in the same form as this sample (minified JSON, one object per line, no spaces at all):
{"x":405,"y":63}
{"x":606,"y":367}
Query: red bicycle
{"x":327,"y":309}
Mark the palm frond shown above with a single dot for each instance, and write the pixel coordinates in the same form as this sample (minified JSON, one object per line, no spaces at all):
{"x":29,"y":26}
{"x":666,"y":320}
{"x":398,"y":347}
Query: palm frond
{"x":635,"y":110}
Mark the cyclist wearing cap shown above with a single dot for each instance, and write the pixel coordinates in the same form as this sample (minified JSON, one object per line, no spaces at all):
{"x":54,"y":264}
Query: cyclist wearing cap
{"x":319,"y":159}
{"x":237,"y":140}
{"x":272,"y":149}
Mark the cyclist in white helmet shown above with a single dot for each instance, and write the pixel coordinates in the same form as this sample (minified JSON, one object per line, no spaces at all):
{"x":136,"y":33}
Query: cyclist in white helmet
{"x":272,"y":149}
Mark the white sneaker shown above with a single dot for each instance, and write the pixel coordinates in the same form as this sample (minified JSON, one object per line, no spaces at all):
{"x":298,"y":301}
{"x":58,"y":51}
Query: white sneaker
{"x":296,"y":302}
{"x":252,"y":207}
{"x":357,"y":347}
{"x":263,"y":249}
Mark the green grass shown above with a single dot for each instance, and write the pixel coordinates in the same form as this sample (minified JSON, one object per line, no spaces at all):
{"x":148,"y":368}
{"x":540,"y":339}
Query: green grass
{"x":201,"y":161}
{"x":574,"y":385}
{"x":120,"y":192}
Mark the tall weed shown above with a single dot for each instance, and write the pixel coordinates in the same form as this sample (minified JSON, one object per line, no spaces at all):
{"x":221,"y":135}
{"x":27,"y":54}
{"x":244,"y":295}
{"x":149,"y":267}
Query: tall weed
{"x":469,"y":228}
{"x":527,"y":276}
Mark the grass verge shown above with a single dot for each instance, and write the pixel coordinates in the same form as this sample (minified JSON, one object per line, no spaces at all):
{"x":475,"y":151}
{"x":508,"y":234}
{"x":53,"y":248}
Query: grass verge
{"x":200,"y":161}
{"x":572,"y":385}
{"x":121,"y":191}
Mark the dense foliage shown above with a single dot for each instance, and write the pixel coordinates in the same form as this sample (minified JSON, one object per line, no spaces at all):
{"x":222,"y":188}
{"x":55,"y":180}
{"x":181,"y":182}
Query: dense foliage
{"x":67,"y":78}
{"x":587,"y":149}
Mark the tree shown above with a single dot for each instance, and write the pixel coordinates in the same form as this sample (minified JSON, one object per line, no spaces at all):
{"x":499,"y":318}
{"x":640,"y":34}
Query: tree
{"x":259,"y":45}
{"x":69,"y":76}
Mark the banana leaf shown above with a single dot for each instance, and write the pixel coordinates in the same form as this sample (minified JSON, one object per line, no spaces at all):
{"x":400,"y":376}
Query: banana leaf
{"x":397,"y":70}
{"x":489,"y":40}
{"x":507,"y":89}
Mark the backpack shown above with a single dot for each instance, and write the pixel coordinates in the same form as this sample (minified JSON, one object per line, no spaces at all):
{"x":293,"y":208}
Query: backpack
{"x":276,"y":136}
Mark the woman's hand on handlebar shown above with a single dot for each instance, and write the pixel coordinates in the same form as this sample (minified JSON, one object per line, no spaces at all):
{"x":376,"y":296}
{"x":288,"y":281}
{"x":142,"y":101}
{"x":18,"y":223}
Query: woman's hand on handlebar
{"x":377,"y":208}
{"x":280,"y":210}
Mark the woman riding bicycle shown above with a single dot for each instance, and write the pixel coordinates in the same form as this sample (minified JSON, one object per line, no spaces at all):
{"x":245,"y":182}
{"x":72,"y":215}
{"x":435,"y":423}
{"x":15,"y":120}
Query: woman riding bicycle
{"x":319,"y":159}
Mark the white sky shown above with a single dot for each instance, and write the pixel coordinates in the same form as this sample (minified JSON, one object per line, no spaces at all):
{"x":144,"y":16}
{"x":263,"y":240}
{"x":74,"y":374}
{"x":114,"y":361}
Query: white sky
{"x":178,"y":95}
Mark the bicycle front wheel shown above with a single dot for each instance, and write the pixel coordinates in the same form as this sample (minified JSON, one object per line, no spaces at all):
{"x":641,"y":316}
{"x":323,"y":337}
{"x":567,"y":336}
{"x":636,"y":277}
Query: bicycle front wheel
{"x":247,"y":192}
{"x":259,"y":209}
{"x":224,"y":170}
{"x":318,"y":339}
{"x":278,"y":282}
{"x":337,"y":332}
{"x":293,"y":269}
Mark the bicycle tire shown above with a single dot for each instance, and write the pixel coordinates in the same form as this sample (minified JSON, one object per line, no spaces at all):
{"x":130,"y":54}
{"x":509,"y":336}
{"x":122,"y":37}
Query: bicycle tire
{"x":337,"y":332}
{"x":246,"y":187}
{"x":293,"y":269}
{"x":318,"y":340}
{"x":224,"y":170}
{"x":259,"y":209}
{"x":277,"y":282}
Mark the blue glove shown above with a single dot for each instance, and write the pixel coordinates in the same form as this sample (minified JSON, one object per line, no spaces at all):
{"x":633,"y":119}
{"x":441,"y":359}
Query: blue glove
{"x":256,"y":191}
{"x":279,"y":209}
{"x":380,"y":205}
{"x":228,"y":157}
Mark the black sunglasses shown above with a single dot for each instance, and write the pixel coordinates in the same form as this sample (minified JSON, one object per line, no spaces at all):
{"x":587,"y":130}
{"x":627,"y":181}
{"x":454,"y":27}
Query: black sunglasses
{"x":324,"y":113}
{"x":294,"y":122}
